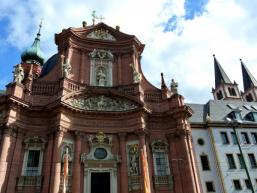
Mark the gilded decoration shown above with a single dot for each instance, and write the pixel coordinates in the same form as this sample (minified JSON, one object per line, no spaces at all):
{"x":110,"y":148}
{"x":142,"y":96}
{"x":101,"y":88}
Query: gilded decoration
{"x":100,"y":139}
{"x":102,"y":103}
{"x":101,"y":34}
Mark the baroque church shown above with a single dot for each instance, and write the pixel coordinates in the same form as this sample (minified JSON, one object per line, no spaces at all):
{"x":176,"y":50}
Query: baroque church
{"x":88,"y":121}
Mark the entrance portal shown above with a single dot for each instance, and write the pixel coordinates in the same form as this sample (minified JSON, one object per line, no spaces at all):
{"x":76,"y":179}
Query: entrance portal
{"x":100,"y":182}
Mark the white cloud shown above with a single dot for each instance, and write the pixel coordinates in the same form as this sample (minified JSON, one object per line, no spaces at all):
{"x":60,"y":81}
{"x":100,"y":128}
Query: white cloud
{"x":226,"y":29}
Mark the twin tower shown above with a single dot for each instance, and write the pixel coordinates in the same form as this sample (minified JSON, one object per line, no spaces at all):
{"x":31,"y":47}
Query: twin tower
{"x":227,"y":90}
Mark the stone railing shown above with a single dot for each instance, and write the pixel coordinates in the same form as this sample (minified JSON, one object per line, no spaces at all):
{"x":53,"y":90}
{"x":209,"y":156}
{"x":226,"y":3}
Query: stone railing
{"x":45,"y":88}
{"x":69,"y":85}
{"x":134,"y":182}
{"x":163,"y":180}
{"x":152,"y":96}
{"x":127,"y":90}
{"x":29,"y":181}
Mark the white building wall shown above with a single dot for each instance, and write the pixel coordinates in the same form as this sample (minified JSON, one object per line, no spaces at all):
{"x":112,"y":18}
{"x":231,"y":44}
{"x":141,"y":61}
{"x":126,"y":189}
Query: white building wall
{"x":206,"y":149}
{"x":222,"y":149}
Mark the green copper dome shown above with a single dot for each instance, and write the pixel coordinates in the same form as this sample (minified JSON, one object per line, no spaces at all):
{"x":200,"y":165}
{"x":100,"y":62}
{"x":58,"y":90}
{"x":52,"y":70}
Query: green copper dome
{"x":34,"y":52}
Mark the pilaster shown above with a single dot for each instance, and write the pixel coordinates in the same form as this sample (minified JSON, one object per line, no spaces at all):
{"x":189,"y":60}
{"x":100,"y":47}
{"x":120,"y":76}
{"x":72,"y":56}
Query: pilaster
{"x":123,"y":165}
{"x":56,"y":170}
{"x":76,"y":178}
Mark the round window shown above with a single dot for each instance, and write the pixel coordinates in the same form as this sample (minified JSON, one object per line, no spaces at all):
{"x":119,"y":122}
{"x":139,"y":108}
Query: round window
{"x":100,"y":153}
{"x":200,"y":141}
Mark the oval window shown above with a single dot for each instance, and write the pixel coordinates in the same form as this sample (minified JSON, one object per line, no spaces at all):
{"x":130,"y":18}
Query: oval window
{"x":100,"y":153}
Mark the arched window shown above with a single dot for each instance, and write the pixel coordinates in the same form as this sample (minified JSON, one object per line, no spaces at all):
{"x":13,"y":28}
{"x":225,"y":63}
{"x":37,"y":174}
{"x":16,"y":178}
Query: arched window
{"x":101,"y":68}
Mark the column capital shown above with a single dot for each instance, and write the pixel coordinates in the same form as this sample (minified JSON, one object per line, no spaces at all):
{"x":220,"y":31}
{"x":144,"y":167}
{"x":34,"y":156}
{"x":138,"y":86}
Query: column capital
{"x":122,"y":135}
{"x":142,"y":132}
{"x":178,"y":133}
{"x":79,"y":134}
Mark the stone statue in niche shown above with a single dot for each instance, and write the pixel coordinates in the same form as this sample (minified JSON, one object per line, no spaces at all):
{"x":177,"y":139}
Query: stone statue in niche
{"x":101,"y":77}
{"x":136,"y":75}
{"x":18,"y":74}
{"x":133,"y":160}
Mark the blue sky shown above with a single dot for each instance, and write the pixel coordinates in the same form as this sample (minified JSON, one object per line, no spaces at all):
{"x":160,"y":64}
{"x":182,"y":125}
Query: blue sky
{"x":180,"y":35}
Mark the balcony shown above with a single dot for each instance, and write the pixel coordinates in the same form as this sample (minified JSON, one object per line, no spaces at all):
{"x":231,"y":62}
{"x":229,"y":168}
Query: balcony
{"x":29,"y":181}
{"x":163,"y":181}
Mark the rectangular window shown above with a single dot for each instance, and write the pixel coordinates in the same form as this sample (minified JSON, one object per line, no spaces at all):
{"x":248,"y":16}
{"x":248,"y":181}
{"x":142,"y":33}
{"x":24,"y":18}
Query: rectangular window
{"x":210,"y":187}
{"x":160,"y":162}
{"x":241,"y":161}
{"x":247,"y":184}
{"x":245,"y":138}
{"x":231,"y":161}
{"x":205,"y":162}
{"x":32,"y":165}
{"x":252,"y":160}
{"x":237,"y":185}
{"x":233,"y":136}
{"x":224,"y":137}
{"x":254,"y":138}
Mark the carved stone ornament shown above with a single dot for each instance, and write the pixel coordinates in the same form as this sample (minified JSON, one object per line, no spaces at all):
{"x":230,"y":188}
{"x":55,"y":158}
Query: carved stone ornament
{"x":35,"y":141}
{"x":101,"y":54}
{"x":101,"y":34}
{"x":102,"y":103}
{"x":159,"y":145}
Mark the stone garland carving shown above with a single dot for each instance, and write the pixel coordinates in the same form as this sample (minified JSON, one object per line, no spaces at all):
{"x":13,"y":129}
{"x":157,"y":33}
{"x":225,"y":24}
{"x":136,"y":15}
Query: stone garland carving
{"x":101,"y":34}
{"x":18,"y":74}
{"x":133,"y":160}
{"x":102,"y":103}
{"x":136,"y":75}
{"x":101,"y":54}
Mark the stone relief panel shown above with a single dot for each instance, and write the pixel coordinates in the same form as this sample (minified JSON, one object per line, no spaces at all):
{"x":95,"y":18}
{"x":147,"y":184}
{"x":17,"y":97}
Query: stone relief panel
{"x":102,"y":103}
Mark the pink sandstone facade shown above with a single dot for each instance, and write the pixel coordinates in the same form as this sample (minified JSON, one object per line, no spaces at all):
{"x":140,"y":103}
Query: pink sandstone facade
{"x":91,"y":99}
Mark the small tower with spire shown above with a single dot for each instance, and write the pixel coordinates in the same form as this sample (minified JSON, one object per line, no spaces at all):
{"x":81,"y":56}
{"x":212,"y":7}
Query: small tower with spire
{"x":250,"y":84}
{"x":224,"y":88}
{"x":33,"y":56}
{"x":164,"y":89}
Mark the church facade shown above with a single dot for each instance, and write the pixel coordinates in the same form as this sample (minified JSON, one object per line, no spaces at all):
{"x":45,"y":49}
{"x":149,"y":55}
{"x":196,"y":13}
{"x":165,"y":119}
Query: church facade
{"x":88,"y":121}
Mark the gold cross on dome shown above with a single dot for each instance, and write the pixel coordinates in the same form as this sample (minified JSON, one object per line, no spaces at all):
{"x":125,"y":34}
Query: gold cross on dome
{"x":101,"y":18}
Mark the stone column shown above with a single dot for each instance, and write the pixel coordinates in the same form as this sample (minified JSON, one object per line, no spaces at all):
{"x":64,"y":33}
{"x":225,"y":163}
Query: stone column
{"x":76,"y":173}
{"x":147,"y":179}
{"x":56,"y":170}
{"x":123,"y":165}
{"x":47,"y":164}
{"x":6,"y":145}
{"x":11,"y":184}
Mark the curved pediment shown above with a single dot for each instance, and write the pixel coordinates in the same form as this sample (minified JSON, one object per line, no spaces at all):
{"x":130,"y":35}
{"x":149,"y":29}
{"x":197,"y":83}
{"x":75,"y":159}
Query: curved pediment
{"x":101,"y":103}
